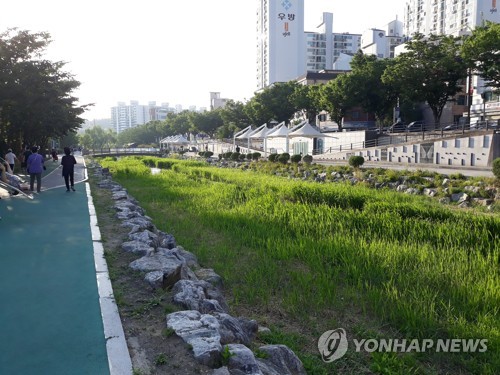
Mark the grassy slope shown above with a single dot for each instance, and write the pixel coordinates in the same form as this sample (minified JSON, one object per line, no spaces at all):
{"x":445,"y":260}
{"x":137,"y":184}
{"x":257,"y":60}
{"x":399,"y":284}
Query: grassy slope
{"x":308,"y":257}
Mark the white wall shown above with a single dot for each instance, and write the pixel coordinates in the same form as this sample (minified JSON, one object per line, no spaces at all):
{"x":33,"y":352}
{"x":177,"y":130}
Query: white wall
{"x":470,"y":150}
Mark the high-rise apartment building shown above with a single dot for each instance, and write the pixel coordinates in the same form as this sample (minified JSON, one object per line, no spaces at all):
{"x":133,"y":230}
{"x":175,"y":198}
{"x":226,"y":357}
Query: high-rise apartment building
{"x":216,"y":101}
{"x":450,"y":17}
{"x":324,"y":47}
{"x":280,"y":41}
{"x":125,"y":116}
{"x":457,"y":17}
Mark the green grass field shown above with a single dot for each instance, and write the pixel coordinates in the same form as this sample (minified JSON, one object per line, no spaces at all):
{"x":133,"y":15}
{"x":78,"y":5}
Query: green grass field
{"x":378,"y":263}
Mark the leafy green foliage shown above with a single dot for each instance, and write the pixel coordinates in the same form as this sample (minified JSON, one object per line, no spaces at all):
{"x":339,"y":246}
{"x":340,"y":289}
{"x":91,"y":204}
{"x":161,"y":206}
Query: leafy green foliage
{"x":336,"y":97}
{"x":272,"y":103}
{"x":256,"y":156}
{"x":307,"y":159}
{"x":428,"y":71}
{"x":97,"y":138}
{"x":308,"y":99}
{"x":36,"y":100}
{"x":481,"y":51}
{"x":160,"y":359}
{"x":373,"y":95}
{"x":273,"y":157}
{"x":205,"y":154}
{"x":225,"y":355}
{"x":284,"y":157}
{"x":296,"y":158}
{"x":496,"y":168}
{"x":356,"y":161}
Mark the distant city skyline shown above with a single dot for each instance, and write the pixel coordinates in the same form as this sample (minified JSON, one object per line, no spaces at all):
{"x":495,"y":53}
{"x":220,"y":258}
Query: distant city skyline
{"x":159,"y":51}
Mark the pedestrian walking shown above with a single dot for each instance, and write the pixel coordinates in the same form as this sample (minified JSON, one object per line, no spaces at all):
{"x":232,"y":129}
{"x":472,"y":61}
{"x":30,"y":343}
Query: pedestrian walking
{"x":68,"y":162}
{"x":35,"y":168}
{"x":11,"y":158}
{"x":53,"y":153}
{"x":26,"y":155}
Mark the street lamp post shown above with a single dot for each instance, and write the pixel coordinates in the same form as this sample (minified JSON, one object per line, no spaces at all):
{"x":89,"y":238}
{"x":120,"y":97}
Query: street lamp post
{"x":469,"y":93}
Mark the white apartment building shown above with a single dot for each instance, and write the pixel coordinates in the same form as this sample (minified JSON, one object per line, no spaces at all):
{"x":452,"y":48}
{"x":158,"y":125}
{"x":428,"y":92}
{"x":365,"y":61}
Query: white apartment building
{"x":457,"y":17}
{"x":450,"y":17}
{"x":125,"y":116}
{"x":382,"y":42}
{"x":216,"y":101}
{"x":324,"y":47}
{"x":280,"y":41}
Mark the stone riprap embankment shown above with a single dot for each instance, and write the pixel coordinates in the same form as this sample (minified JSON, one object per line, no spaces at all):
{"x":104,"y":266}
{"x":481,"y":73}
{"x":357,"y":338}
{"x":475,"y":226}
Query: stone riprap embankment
{"x":216,"y":338}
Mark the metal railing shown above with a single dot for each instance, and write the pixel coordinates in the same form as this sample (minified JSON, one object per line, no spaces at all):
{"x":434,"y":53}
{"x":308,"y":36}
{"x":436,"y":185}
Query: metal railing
{"x":123,"y":151}
{"x":387,"y":139}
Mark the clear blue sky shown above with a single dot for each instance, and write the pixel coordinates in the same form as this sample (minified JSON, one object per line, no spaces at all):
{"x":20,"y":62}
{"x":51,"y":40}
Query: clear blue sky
{"x":166,"y":50}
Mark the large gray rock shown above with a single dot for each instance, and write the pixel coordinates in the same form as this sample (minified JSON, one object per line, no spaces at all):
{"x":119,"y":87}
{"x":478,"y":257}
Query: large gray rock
{"x":482,"y":201}
{"x":172,"y":268}
{"x":221,"y":371}
{"x":137,"y":247}
{"x":166,"y":240}
{"x":127,"y":214}
{"x":474,"y":189}
{"x":154,"y":279}
{"x":430,"y":192}
{"x":145,"y":236}
{"x":190,"y":258}
{"x":198,"y":295}
{"x":142,"y":222}
{"x":118,"y":195}
{"x":402,"y":188}
{"x":242,"y":361}
{"x":459,"y":197}
{"x":123,"y":205}
{"x":280,"y":359}
{"x":209,"y":276}
{"x":201,"y":332}
{"x":233,"y":330}
{"x":412,"y":191}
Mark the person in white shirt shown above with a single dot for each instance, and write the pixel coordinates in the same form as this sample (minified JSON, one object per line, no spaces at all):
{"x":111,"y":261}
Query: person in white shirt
{"x":11,"y":158}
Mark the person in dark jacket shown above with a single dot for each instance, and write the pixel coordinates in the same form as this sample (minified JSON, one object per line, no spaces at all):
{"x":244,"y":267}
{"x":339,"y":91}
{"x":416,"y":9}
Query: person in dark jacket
{"x":35,"y":168}
{"x":68,"y":162}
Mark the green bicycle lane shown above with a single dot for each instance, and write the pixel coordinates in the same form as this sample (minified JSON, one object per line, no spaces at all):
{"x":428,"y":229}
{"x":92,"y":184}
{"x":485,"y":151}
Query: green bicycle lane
{"x":52,"y":306}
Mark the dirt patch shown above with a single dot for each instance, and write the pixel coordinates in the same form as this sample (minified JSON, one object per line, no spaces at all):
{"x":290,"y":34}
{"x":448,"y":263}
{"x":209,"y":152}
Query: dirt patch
{"x":153,"y":348}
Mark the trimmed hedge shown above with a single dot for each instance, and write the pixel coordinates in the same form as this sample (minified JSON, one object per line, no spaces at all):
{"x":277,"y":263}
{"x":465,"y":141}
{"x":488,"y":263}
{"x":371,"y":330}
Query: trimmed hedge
{"x":356,"y":161}
{"x":496,"y":168}
{"x":307,"y":159}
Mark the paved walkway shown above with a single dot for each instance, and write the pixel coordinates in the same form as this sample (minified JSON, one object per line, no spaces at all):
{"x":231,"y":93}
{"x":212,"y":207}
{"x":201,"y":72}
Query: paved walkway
{"x":57,"y":313}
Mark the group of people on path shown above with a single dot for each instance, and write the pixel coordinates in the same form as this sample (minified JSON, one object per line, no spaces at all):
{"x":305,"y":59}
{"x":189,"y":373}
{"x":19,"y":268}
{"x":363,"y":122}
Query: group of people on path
{"x":33,"y":164}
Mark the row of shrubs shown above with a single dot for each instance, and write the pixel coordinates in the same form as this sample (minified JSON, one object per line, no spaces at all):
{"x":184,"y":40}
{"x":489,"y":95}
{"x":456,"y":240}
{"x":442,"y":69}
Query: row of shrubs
{"x":236,"y":156}
{"x":354,"y":161}
{"x":282,"y":158}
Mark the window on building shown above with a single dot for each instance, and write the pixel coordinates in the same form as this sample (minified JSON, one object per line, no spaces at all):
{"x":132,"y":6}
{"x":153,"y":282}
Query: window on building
{"x":486,"y":141}
{"x":471,"y":142}
{"x":457,"y":143}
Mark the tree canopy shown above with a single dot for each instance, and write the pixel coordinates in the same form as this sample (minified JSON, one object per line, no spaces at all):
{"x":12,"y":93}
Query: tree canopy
{"x":429,"y":71}
{"x":482,"y":50}
{"x":36,"y":101}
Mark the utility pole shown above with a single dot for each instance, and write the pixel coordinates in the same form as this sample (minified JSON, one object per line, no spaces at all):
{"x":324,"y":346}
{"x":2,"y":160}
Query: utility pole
{"x":469,"y":93}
